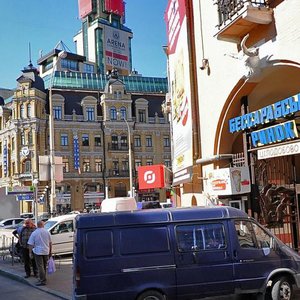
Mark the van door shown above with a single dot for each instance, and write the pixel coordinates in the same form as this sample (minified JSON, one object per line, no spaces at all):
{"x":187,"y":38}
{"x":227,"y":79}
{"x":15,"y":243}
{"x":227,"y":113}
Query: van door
{"x":255,"y":254}
{"x":62,"y":235}
{"x":203,"y":259}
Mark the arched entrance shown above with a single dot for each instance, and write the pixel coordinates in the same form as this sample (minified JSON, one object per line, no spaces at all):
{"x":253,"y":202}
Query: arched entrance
{"x":274,"y":197}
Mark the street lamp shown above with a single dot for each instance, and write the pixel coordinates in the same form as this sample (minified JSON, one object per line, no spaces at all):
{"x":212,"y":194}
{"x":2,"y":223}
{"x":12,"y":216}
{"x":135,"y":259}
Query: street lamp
{"x":35,"y":199}
{"x":129,"y":157}
{"x":61,"y":54}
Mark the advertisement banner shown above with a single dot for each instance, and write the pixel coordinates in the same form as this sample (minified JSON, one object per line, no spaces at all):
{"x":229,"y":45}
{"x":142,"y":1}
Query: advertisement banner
{"x":115,"y":6}
{"x":154,"y":176}
{"x":117,"y":49}
{"x":180,"y":90}
{"x":85,"y":7}
{"x":228,"y":181}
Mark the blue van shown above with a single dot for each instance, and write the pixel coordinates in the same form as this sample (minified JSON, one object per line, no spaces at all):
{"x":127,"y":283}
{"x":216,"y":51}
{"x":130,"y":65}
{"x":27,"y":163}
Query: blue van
{"x":183,"y":253}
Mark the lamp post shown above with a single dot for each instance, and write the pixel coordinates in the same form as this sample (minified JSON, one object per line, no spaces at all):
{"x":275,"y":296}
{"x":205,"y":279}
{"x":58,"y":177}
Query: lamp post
{"x":129,"y":158}
{"x":35,"y":199}
{"x":61,"y":54}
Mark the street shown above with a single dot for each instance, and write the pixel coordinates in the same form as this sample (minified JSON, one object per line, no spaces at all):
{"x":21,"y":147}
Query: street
{"x":12,"y":289}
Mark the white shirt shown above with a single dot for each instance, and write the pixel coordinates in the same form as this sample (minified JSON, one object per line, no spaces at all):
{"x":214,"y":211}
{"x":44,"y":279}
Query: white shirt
{"x":40,"y":239}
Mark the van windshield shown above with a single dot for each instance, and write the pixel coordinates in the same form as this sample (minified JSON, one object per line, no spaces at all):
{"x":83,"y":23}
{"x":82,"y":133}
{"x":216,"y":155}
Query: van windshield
{"x":49,"y":224}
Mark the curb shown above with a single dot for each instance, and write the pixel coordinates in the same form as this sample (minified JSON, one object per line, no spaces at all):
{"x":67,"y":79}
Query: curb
{"x":19,"y":278}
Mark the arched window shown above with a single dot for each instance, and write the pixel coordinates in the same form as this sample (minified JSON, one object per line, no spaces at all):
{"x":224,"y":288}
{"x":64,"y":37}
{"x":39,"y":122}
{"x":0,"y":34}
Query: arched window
{"x":113,"y":113}
{"x":22,"y":111}
{"x":29,"y":111}
{"x":123,"y":113}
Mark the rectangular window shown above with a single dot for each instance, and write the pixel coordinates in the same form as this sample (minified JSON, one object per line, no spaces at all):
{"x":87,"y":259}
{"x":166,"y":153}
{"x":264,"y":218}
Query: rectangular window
{"x":151,"y":240}
{"x":125,"y":165}
{"x":97,"y":140}
{"x":149,"y":162}
{"x":142,"y":115}
{"x":87,"y":68}
{"x":137,"y":163}
{"x":99,"y":243}
{"x":166,"y":142}
{"x":69,"y":64}
{"x":123,"y":142}
{"x":57,"y":112}
{"x":85,"y":140}
{"x":64,"y":139}
{"x":168,"y":163}
{"x":66,"y":167}
{"x":137,"y":141}
{"x":98,"y":165}
{"x":148,"y":141}
{"x":90,"y":113}
{"x":86,"y":165}
{"x":198,"y":237}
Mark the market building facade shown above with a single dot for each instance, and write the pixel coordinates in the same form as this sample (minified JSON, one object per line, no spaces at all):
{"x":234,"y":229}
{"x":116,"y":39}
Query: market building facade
{"x":242,"y":85}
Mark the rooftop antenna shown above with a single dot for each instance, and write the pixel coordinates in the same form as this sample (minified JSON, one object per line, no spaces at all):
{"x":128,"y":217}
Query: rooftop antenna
{"x":30,"y":62}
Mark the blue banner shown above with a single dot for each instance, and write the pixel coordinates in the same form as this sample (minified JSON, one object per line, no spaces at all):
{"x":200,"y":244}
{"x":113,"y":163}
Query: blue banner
{"x":76,"y":152}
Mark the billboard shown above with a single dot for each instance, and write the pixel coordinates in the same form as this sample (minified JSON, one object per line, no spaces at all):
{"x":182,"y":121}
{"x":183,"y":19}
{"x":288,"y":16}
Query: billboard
{"x":180,"y":90}
{"x":85,"y":7}
{"x":228,"y":181}
{"x":154,"y":176}
{"x":117,"y":49}
{"x":116,"y":7}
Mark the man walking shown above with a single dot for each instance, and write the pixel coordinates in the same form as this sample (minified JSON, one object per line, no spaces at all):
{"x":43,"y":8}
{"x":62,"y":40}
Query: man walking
{"x":41,"y":246}
{"x":24,"y":236}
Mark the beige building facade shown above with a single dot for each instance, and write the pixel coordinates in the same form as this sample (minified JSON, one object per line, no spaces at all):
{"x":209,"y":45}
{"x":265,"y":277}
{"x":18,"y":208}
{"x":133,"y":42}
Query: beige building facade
{"x":244,"y":74}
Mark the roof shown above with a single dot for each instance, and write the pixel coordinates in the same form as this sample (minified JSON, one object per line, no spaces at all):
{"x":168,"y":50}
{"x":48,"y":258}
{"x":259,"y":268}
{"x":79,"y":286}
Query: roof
{"x":158,"y":216}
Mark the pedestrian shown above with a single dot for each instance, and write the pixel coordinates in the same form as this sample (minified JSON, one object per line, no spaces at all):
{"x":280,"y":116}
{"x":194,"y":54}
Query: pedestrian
{"x":41,"y":247}
{"x":24,"y":236}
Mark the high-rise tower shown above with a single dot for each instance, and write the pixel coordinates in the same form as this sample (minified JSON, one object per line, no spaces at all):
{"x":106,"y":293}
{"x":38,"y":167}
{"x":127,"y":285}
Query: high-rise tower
{"x":103,"y":38}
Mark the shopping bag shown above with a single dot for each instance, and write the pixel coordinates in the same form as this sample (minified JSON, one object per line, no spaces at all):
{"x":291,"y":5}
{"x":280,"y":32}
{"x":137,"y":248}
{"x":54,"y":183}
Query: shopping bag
{"x":51,"y":266}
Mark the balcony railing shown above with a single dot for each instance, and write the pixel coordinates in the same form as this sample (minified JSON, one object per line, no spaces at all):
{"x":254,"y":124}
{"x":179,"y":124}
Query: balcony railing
{"x":118,"y":173}
{"x":228,"y":9}
{"x":237,"y":17}
{"x":117,"y":147}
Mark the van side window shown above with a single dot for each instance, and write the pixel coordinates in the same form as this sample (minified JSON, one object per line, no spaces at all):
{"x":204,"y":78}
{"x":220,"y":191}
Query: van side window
{"x":200,"y":237}
{"x":99,"y":243}
{"x":245,"y":234}
{"x":144,"y":240}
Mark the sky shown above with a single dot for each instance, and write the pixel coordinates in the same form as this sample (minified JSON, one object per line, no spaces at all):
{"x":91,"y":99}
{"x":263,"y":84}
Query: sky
{"x":43,"y":23}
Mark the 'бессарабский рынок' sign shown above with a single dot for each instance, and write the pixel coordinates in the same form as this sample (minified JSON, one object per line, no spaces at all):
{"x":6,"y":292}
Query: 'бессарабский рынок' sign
{"x":265,"y":115}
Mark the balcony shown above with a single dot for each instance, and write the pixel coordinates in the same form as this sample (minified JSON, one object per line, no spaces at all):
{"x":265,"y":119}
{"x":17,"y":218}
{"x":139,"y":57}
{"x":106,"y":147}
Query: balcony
{"x":118,"y":173}
{"x":117,"y":147}
{"x":239,"y":17}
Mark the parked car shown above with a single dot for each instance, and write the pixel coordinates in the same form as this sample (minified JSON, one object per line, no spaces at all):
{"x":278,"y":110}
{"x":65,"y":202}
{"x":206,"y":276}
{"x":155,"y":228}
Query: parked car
{"x":62,"y":233}
{"x":180,"y":253}
{"x":10,"y":223}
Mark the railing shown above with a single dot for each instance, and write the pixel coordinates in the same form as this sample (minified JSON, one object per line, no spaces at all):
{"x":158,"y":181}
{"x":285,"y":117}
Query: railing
{"x":117,"y":147}
{"x":118,"y":173}
{"x":227,"y":9}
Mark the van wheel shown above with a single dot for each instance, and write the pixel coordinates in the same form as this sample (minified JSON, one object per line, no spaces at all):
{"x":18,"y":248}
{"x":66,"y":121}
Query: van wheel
{"x":151,"y":295}
{"x":282,"y":289}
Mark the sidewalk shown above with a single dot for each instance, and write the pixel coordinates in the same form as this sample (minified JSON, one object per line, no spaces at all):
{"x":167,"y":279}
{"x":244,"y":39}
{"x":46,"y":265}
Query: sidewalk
{"x":58,"y":284}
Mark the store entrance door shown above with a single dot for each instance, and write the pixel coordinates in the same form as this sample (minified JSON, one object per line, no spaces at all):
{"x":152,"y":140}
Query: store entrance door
{"x":278,"y":201}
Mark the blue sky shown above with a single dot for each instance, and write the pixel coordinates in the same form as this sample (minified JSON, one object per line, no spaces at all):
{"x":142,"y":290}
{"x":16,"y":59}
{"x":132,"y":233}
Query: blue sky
{"x":43,"y":23}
